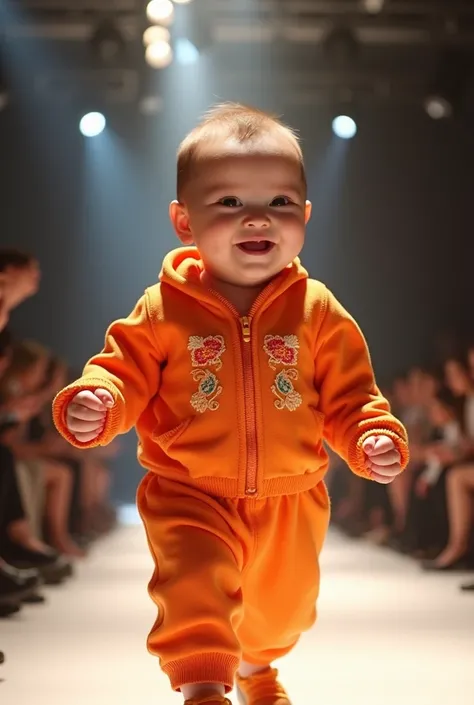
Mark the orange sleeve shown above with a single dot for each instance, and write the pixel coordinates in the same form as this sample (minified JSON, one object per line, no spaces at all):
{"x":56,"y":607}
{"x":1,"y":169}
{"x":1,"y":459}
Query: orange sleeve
{"x":350,"y":400}
{"x":129,"y":367}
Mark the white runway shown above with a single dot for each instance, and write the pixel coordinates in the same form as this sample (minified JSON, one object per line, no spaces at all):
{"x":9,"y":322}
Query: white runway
{"x":387,"y":635}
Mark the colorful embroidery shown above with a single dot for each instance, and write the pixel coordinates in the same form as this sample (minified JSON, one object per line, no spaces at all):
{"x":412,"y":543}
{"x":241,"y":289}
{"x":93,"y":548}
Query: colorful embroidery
{"x":209,"y":389}
{"x":206,"y":351}
{"x":281,"y":350}
{"x":283,"y":388}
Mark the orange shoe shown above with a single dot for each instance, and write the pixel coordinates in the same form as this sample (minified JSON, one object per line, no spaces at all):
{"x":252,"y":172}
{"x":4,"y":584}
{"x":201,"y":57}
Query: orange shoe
{"x":262,"y":688}
{"x":208,"y":700}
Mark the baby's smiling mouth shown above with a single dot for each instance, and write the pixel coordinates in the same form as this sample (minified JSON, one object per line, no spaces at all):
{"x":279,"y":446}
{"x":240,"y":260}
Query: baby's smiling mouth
{"x":256,"y":247}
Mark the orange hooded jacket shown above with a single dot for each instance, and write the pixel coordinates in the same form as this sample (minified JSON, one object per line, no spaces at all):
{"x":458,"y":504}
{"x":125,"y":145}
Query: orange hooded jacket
{"x":238,"y":405}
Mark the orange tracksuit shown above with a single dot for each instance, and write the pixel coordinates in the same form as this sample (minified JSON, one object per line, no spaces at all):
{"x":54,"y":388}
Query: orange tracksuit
{"x":231,"y":413}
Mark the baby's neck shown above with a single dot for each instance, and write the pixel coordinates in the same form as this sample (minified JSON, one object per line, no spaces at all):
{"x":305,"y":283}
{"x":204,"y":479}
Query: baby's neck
{"x":241,"y":297}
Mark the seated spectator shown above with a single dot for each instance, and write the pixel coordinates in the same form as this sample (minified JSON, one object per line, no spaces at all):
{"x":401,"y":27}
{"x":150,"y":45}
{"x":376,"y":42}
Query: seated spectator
{"x":469,"y":587}
{"x":18,"y":542}
{"x":449,"y":445}
{"x":411,"y":399}
{"x":426,"y":530}
{"x":45,"y":483}
{"x":15,"y":586}
{"x":19,"y":279}
{"x":461,"y":384}
{"x":460,"y":476}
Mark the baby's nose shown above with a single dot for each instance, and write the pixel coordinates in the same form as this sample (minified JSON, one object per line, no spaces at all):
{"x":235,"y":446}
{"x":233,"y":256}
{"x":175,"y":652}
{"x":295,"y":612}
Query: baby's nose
{"x":256,"y":220}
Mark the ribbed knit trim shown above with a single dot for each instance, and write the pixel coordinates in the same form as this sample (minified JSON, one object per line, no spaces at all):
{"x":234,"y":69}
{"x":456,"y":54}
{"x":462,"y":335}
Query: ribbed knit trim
{"x":114,"y":415}
{"x":357,"y":458}
{"x":203,"y":668}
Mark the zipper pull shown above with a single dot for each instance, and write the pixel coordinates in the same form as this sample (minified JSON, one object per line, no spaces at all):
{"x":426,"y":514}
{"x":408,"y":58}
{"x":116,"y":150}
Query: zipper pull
{"x":245,"y":323}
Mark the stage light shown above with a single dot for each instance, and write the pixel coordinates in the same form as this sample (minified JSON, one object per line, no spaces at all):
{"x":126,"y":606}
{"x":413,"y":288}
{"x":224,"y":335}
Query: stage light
{"x":159,"y":55}
{"x":437,"y":107}
{"x":186,"y":52}
{"x":160,"y":12}
{"x":373,"y":7}
{"x":156,"y":34}
{"x":344,"y":127}
{"x":449,"y":87}
{"x":92,"y":124}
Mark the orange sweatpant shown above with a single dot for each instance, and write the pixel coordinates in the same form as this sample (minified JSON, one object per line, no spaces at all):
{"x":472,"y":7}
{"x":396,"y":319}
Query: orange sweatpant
{"x":234,"y":578}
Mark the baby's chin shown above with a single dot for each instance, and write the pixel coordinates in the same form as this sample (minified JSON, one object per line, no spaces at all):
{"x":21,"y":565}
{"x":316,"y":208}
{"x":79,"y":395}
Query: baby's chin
{"x":252,"y":280}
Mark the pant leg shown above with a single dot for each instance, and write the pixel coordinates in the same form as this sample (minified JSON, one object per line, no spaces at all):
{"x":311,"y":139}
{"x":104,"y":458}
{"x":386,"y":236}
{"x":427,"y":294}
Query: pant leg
{"x":281,"y":583}
{"x":199,"y":547}
{"x":31,"y":483}
{"x":74,"y":519}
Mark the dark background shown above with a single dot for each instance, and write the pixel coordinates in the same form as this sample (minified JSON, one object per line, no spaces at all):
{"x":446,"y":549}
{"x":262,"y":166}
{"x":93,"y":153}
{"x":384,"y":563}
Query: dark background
{"x":391,"y":232}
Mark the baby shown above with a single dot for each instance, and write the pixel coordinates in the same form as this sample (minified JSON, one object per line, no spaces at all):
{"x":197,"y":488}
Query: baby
{"x":235,"y":368}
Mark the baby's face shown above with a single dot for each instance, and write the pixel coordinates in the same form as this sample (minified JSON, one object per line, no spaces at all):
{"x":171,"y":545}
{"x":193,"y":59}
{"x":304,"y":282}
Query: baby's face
{"x":246,"y":212}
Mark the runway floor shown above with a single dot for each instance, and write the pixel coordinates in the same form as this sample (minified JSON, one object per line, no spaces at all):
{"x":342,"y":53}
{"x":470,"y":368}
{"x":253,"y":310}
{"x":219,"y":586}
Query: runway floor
{"x":387,"y":635}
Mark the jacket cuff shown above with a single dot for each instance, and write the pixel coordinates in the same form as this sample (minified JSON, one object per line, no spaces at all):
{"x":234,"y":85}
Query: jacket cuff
{"x":113,"y":419}
{"x":357,"y":457}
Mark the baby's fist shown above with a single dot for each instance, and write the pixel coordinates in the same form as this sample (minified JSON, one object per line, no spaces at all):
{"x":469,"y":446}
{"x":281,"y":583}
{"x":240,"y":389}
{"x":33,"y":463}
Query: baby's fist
{"x":382,"y":459}
{"x":87,"y":412}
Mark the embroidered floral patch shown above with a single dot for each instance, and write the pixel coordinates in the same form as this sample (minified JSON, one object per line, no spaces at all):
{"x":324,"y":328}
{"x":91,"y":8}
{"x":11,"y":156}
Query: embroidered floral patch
{"x":208,"y":390}
{"x":206,"y":351}
{"x":283,"y":388}
{"x":281,"y":350}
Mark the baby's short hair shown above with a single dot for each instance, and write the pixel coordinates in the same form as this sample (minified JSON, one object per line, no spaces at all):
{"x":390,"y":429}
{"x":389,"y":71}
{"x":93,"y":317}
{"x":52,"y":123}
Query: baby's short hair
{"x":235,"y":121}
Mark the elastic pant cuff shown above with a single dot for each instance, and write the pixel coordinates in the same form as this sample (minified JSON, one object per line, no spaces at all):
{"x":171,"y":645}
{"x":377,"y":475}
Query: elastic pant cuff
{"x":203,"y":668}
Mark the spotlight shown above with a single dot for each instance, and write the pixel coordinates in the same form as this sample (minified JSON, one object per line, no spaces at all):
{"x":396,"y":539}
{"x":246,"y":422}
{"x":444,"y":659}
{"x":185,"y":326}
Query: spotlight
{"x":448,"y":89}
{"x":159,"y":55}
{"x":438,"y":108}
{"x":344,"y":127}
{"x":156,"y":34}
{"x":373,"y":7}
{"x":92,"y":124}
{"x":160,"y":12}
{"x":186,"y":52}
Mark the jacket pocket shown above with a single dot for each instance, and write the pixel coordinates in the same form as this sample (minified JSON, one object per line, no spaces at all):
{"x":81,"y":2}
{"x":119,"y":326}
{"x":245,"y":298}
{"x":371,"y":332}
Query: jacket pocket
{"x":294,"y":442}
{"x":315,"y":452}
{"x":200,"y":448}
{"x":166,"y":440}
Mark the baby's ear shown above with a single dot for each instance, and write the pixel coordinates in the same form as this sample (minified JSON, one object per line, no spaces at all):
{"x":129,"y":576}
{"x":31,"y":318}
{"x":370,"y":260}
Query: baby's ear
{"x":307,"y":211}
{"x":180,"y":220}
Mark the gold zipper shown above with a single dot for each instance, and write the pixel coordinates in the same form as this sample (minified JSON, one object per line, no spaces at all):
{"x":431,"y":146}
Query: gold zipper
{"x":250,"y":411}
{"x":245,"y":323}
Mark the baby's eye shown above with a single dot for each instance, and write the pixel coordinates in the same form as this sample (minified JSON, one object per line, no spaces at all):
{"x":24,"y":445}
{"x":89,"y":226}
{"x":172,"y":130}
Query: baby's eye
{"x":280,"y":201}
{"x":230,"y":202}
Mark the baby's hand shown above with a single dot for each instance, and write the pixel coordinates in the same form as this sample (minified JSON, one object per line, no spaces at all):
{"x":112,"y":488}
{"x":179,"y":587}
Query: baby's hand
{"x":87,"y":413}
{"x":383,"y":459}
